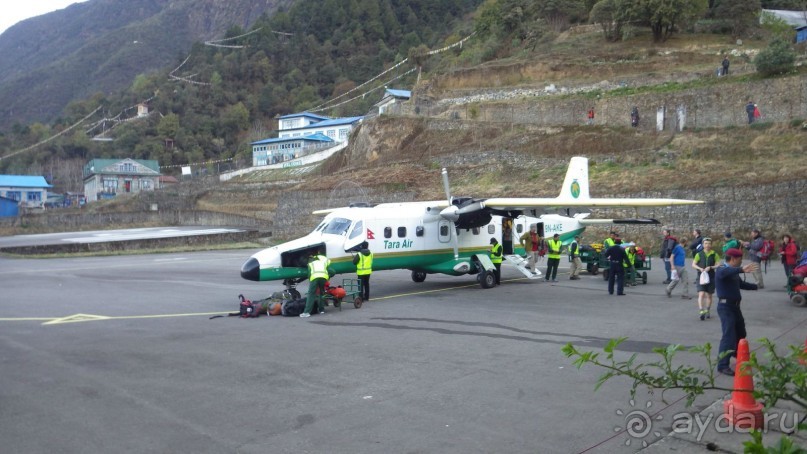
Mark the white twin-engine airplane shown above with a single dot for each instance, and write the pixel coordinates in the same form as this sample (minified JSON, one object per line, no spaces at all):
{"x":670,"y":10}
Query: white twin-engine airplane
{"x":448,"y":237}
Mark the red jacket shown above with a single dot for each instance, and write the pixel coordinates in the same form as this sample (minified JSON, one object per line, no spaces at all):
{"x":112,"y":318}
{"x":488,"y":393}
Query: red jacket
{"x":788,"y":253}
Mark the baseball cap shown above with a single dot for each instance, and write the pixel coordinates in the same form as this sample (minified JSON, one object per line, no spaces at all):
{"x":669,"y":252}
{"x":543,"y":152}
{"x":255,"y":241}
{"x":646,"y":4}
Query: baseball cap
{"x":734,"y":252}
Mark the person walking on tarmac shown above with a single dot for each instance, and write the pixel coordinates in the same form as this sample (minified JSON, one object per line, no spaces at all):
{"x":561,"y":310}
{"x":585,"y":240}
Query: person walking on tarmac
{"x":496,"y":257}
{"x":574,"y":254}
{"x":678,"y":259}
{"x":553,"y":257}
{"x":616,"y":257}
{"x":318,"y":265}
{"x":531,"y":242}
{"x":364,"y":268}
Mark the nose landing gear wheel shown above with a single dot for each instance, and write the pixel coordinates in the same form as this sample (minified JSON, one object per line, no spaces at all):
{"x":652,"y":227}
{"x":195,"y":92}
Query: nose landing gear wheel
{"x":418,"y":276}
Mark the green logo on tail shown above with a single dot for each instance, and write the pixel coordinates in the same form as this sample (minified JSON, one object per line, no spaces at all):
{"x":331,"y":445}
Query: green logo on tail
{"x":575,"y":189}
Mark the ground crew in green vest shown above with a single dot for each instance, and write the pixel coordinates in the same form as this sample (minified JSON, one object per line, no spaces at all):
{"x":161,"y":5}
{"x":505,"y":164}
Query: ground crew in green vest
{"x":630,"y":266}
{"x":496,"y":257}
{"x":610,"y":241}
{"x":553,"y":258}
{"x":364,"y":268}
{"x":318,"y":265}
{"x":574,"y":256}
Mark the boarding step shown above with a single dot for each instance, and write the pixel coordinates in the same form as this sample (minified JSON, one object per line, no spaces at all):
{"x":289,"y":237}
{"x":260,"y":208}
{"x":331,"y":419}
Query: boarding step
{"x":521,"y":265}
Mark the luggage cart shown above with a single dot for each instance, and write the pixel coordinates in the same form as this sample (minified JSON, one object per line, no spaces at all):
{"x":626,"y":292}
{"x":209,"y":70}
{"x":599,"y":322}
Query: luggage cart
{"x":641,"y":267}
{"x":353,"y":291}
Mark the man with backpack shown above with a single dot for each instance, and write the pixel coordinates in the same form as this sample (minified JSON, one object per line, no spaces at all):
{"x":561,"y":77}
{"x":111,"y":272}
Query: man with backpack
{"x":755,"y":253}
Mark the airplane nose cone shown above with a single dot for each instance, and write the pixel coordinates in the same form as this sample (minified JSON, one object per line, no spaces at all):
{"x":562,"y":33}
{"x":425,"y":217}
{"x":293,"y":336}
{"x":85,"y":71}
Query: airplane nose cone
{"x":251,"y":270}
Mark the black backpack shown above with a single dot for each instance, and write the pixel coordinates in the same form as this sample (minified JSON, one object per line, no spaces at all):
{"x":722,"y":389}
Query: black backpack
{"x":294,"y":307}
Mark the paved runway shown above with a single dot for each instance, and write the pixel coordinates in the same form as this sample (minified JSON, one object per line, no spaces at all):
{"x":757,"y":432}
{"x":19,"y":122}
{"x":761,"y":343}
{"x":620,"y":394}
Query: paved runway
{"x":106,"y":236}
{"x":118,"y":354}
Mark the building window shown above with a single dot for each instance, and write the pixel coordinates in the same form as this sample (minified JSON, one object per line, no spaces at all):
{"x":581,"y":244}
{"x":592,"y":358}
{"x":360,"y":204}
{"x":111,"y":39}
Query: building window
{"x":34,"y":196}
{"x":110,"y":185}
{"x":331,"y":133}
{"x":343,"y":134}
{"x":14,"y":195}
{"x":288,"y":124}
{"x":127,"y":167}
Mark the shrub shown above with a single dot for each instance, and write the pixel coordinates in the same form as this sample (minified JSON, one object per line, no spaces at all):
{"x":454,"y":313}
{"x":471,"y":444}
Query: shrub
{"x":777,"y":58}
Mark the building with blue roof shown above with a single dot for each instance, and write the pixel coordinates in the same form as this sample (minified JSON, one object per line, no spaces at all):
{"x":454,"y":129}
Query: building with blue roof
{"x":27,"y":190}
{"x":300,"y":134}
{"x":391,"y":97}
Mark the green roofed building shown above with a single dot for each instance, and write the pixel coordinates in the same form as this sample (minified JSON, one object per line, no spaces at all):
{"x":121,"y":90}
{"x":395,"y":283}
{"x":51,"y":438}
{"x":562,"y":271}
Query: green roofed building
{"x":107,"y":178}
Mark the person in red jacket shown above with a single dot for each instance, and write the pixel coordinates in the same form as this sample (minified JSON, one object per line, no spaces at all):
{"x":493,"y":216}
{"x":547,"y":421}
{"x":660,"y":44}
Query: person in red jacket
{"x":788,"y":252}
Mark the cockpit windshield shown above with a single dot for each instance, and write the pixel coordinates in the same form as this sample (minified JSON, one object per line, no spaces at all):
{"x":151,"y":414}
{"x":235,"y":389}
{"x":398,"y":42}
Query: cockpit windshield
{"x":336,"y":226}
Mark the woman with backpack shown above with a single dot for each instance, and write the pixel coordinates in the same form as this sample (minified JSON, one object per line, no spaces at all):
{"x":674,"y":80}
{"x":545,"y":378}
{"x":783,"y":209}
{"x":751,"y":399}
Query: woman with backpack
{"x":788,"y":251}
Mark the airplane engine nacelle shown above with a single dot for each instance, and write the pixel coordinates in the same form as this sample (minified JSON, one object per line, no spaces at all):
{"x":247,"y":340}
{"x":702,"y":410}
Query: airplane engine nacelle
{"x":473,"y":219}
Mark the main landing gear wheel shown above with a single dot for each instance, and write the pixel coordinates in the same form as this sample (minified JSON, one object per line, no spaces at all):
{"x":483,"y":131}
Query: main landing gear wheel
{"x":418,"y":276}
{"x":294,"y":293}
{"x":487,"y":279}
{"x":357,"y":302}
{"x":798,"y":300}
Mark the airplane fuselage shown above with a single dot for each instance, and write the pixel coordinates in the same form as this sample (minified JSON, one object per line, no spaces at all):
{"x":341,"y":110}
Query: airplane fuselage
{"x":401,"y":236}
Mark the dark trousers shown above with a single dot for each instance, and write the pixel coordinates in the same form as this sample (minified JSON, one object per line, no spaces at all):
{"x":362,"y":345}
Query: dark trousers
{"x":498,"y":273}
{"x":365,"y":287}
{"x":733,"y":325}
{"x":316,"y":295}
{"x":616,"y":273}
{"x":552,"y":268}
{"x":668,"y":269}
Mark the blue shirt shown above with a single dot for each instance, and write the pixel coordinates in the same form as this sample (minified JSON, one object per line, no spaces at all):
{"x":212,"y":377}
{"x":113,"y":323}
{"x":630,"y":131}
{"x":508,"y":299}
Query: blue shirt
{"x":678,"y":255}
{"x":728,"y":283}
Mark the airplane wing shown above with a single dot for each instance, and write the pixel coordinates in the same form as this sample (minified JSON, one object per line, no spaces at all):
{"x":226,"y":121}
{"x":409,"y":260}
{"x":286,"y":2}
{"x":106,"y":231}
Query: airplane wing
{"x":501,"y":203}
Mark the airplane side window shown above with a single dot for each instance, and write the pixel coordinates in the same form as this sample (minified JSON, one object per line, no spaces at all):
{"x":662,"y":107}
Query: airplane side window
{"x":401,"y":232}
{"x":387,"y":232}
{"x":419,"y":230}
{"x":443,"y":230}
{"x":519,"y":228}
{"x":476,"y":230}
{"x":358,"y":229}
{"x":491,"y":229}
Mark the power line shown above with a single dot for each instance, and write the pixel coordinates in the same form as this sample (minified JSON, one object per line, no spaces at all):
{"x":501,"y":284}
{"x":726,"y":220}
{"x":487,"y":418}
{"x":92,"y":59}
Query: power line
{"x":53,"y":136}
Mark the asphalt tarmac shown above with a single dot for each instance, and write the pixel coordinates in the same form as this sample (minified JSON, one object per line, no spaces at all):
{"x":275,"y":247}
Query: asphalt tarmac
{"x":118,"y":354}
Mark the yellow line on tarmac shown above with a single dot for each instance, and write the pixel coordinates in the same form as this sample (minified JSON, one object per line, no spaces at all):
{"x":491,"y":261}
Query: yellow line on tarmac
{"x":76,"y":318}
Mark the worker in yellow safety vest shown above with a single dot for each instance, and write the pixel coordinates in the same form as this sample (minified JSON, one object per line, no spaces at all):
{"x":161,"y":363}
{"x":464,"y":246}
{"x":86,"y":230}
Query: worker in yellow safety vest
{"x":364,"y":268}
{"x":553,"y":257}
{"x":496,"y":257}
{"x":318,"y":265}
{"x":630,"y":269}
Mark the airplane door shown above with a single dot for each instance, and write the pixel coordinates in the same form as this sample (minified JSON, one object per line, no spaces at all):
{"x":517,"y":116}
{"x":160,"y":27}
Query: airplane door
{"x":357,"y":236}
{"x":507,"y":236}
{"x":444,"y":229}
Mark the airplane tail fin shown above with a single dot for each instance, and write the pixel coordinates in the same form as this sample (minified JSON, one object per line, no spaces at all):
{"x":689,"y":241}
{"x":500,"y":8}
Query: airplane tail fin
{"x":575,"y":185}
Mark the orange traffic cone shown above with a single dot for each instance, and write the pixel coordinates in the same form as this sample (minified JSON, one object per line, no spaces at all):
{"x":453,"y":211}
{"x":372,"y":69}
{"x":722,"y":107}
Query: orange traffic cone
{"x":742,"y":410}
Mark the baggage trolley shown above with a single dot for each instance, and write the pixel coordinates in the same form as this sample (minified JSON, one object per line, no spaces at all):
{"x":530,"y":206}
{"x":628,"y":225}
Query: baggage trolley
{"x":353,"y":292}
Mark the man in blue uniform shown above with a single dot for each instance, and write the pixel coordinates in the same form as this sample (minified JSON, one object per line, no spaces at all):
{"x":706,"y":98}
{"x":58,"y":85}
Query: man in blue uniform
{"x":728,"y":285}
{"x":617,"y":259}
